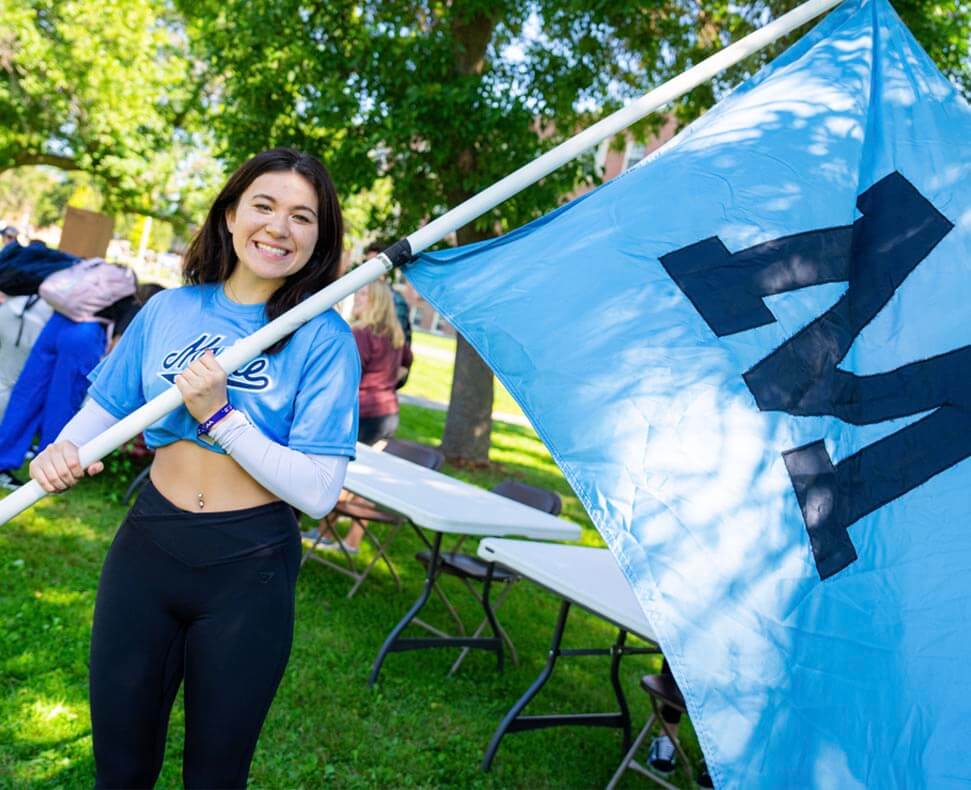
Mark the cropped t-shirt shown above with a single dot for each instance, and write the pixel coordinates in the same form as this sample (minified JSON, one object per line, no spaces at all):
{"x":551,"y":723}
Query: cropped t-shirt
{"x":303,"y":397}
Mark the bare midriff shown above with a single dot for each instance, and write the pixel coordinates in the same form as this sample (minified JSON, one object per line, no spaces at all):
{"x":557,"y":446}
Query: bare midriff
{"x":194,"y":478}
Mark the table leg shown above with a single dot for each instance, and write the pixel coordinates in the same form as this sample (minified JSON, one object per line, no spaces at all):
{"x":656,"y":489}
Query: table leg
{"x":618,"y":653}
{"x":416,"y":607}
{"x":490,"y":615}
{"x":512,"y":716}
{"x":395,"y":643}
{"x":506,"y":639}
{"x":513,"y":722}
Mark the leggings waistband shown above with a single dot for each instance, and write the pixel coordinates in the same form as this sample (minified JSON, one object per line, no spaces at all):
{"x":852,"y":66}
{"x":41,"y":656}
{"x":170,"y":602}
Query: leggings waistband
{"x":200,"y":539}
{"x":152,"y":503}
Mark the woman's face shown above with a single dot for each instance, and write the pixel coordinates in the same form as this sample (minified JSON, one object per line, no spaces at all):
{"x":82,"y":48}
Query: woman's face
{"x":274,"y":225}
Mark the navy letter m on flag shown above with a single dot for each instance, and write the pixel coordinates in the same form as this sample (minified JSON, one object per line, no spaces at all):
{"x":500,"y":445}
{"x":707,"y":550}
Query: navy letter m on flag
{"x":874,"y":255}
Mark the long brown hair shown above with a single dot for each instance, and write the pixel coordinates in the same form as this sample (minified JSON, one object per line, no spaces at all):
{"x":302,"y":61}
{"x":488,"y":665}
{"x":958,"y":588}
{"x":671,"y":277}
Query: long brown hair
{"x":211,"y":257}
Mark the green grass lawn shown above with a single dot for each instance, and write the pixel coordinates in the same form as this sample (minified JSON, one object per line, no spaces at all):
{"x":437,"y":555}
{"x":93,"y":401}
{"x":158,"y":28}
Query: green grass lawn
{"x":431,"y":373}
{"x":442,"y":342}
{"x":417,"y":728}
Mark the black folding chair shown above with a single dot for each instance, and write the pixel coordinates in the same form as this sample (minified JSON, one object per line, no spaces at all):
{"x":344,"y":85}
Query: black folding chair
{"x":662,"y":689}
{"x":470,"y":568}
{"x":137,"y":484}
{"x":365,"y":514}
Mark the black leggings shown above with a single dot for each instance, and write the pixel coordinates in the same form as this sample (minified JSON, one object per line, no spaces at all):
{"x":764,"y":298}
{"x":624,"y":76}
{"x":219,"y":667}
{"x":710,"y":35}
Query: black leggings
{"x":371,"y":430}
{"x":204,"y":598}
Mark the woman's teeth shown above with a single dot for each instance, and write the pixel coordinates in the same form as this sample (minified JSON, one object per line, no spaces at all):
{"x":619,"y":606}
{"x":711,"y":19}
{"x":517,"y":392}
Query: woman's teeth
{"x":277,"y":251}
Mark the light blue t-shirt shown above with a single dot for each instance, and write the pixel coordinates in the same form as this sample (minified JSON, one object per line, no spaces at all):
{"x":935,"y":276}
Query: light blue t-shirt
{"x":304,"y":397}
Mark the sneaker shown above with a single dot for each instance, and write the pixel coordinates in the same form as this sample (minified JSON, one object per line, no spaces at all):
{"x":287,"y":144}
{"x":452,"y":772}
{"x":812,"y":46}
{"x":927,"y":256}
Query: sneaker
{"x":336,"y":545}
{"x":9,"y":481}
{"x":325,"y":544}
{"x":661,"y":755}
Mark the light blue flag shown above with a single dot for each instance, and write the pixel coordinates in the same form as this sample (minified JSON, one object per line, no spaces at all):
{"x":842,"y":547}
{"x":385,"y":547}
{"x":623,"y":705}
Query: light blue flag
{"x":750,"y":357}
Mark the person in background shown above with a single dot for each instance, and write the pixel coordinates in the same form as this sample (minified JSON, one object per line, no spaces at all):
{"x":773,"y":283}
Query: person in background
{"x":8,"y":235}
{"x":385,"y":356}
{"x":22,"y":319}
{"x":401,"y":309}
{"x":53,"y":382}
{"x":123,"y":311}
{"x":385,"y":359}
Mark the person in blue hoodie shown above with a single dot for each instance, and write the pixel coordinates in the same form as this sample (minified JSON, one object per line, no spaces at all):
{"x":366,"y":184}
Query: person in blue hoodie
{"x":8,"y":235}
{"x":53,"y":381}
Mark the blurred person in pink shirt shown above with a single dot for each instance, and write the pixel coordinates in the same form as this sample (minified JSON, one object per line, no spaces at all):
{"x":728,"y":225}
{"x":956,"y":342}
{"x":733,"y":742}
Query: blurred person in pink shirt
{"x":385,"y":360}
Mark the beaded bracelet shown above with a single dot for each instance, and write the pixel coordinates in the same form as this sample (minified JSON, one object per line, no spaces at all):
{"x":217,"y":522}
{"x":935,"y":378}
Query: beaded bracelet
{"x":204,"y":427}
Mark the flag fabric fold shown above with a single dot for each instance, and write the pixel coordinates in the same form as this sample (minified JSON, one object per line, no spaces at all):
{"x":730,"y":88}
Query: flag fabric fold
{"x":750,"y":357}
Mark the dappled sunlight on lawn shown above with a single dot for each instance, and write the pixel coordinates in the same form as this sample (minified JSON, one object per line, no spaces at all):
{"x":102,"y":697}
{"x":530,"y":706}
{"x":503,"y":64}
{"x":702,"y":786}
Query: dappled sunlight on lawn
{"x":52,"y":521}
{"x":46,"y":724}
{"x":431,"y":374}
{"x":44,"y":720}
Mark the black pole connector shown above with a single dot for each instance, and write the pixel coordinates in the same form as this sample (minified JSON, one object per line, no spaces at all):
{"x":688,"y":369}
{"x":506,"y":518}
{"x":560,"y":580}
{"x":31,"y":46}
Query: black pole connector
{"x":399,"y":253}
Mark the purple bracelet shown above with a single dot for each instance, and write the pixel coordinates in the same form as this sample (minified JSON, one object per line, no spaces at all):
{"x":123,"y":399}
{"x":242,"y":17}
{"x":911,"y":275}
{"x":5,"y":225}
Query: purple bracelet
{"x":205,"y":427}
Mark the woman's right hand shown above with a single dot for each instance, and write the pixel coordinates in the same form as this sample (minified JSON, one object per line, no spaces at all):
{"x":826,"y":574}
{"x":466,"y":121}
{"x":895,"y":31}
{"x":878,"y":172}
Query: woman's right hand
{"x":58,"y":467}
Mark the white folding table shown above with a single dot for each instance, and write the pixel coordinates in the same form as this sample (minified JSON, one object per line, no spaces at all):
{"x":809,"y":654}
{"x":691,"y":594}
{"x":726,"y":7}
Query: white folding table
{"x":444,"y":505}
{"x":590,"y":578}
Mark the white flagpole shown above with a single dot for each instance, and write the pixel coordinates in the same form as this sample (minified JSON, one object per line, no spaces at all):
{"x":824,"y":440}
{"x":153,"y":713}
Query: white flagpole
{"x":249,"y":347}
{"x":673,"y":89}
{"x":241,"y":352}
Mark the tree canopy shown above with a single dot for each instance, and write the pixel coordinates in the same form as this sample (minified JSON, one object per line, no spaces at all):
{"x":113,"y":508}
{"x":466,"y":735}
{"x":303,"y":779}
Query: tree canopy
{"x":444,"y":98}
{"x":107,"y":88}
{"x":433,"y":100}
{"x":447,"y":97}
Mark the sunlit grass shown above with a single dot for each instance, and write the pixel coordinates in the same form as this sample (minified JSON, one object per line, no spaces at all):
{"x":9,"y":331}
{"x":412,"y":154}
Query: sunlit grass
{"x":326,"y":727}
{"x":431,"y":373}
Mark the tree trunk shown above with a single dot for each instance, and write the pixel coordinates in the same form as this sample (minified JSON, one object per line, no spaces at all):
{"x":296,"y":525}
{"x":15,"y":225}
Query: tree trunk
{"x":468,"y":424}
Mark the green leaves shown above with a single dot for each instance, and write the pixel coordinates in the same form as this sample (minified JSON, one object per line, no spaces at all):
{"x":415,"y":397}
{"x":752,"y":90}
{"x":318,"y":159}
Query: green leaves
{"x":440,"y":100}
{"x":444,"y":99}
{"x":103,"y":87}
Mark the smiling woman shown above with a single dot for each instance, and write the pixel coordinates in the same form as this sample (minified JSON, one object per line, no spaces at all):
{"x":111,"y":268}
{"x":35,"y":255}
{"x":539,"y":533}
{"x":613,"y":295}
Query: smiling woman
{"x":274,"y":230}
{"x":199,"y":582}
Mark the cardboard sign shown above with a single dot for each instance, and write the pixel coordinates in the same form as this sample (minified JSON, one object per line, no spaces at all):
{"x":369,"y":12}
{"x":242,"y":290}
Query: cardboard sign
{"x":86,"y":233}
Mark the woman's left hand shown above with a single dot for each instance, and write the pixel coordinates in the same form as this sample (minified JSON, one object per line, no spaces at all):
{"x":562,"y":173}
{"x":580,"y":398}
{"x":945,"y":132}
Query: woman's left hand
{"x":203,"y":387}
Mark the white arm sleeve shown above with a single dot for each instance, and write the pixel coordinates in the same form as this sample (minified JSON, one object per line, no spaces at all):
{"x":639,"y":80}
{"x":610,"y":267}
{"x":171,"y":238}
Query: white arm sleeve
{"x":92,"y":420}
{"x":310,"y":483}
